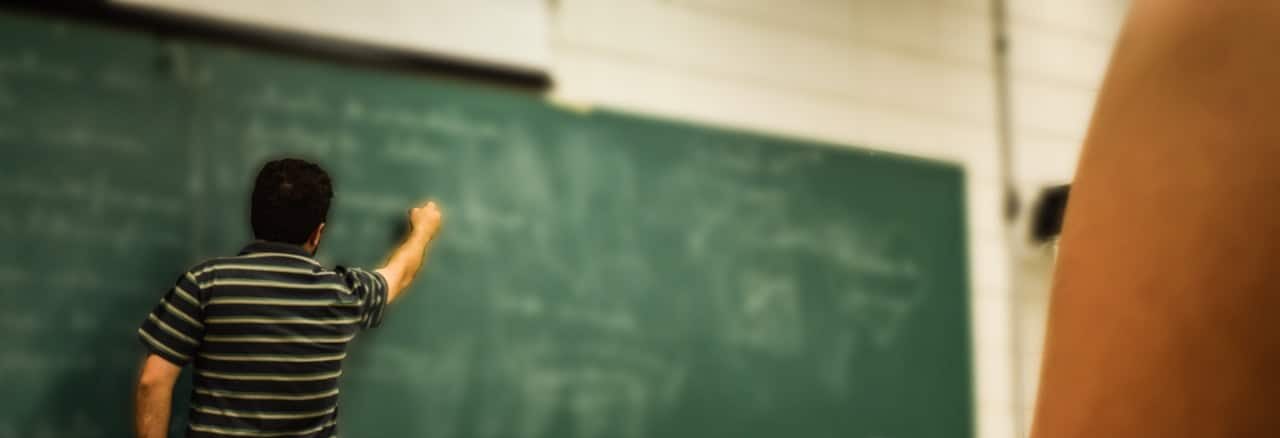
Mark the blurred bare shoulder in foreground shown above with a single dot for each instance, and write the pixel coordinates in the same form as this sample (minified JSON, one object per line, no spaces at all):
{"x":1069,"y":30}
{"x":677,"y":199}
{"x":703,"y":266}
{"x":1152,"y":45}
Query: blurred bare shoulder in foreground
{"x":1165,"y":314}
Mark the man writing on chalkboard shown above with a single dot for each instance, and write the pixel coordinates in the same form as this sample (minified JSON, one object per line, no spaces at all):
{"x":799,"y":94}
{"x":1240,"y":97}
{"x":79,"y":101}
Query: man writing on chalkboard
{"x":268,"y":329}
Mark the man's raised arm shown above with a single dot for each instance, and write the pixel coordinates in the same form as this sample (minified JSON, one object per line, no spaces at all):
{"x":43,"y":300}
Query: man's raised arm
{"x":404,"y":262}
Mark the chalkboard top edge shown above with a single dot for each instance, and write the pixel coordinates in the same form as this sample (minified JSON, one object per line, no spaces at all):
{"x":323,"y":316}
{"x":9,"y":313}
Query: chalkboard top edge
{"x":293,"y":44}
{"x":795,"y":139}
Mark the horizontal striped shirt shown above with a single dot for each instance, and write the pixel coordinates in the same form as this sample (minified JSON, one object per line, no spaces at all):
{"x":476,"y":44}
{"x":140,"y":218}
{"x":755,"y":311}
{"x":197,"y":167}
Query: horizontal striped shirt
{"x":266,"y":332}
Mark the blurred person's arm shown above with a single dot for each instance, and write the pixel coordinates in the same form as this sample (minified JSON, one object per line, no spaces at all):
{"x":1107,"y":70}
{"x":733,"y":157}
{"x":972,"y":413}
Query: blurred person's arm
{"x":153,"y":397}
{"x":406,"y":260}
{"x":1165,"y":314}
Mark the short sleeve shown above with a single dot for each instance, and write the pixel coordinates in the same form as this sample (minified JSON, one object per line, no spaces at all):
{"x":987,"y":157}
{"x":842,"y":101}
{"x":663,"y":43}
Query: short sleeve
{"x":173,"y":329}
{"x":371,"y":289}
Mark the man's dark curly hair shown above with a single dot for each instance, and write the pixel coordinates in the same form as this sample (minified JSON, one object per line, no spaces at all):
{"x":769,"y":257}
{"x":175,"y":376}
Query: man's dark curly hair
{"x":290,"y":199}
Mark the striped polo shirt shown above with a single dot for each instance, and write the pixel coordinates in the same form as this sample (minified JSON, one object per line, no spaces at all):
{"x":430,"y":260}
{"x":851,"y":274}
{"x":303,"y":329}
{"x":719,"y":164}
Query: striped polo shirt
{"x":267,"y":331}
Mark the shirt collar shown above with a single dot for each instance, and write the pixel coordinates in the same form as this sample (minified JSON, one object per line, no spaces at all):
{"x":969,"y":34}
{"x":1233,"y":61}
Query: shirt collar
{"x":259,"y":246}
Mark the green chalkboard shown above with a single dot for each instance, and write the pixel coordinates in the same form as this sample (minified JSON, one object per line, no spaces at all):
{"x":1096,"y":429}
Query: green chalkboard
{"x":600,"y":274}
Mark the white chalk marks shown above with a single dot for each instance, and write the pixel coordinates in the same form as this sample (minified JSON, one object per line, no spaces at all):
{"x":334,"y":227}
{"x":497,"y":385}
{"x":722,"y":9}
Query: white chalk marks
{"x":83,"y":139}
{"x":299,"y":103}
{"x":96,"y":194}
{"x":31,"y":65}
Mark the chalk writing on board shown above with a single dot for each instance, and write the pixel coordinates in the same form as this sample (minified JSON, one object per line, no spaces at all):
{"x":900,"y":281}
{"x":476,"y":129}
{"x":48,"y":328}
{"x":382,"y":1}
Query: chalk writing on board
{"x":527,"y":172}
{"x":97,"y":194}
{"x":882,"y":295}
{"x":181,"y":66}
{"x":877,"y":273}
{"x":30,"y":64}
{"x":764,"y":198}
{"x":751,"y":159}
{"x":766,"y":314}
{"x":794,"y":162}
{"x":601,"y":393}
{"x":353,"y":109}
{"x":347,"y":144}
{"x":519,"y":304}
{"x":84,"y":138}
{"x":455,"y":123}
{"x":833,"y":367}
{"x":58,"y":227}
{"x":410,"y":149}
{"x":873,"y":271}
{"x":442,"y":121}
{"x":744,"y":159}
{"x":698,"y":238}
{"x":269,"y":97}
{"x":76,"y":279}
{"x":117,"y":78}
{"x":482,"y":215}
{"x":41,"y":367}
{"x":374,"y":202}
{"x":266,"y":139}
{"x":613,"y":320}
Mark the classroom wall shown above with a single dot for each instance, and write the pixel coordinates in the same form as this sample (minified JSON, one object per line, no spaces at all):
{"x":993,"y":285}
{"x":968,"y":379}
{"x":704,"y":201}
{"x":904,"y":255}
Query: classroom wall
{"x":910,"y":76}
{"x":1058,"y":55}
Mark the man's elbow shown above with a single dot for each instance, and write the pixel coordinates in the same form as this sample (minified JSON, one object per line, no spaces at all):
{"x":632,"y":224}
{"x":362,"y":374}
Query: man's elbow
{"x":149,"y":382}
{"x":404,"y":284}
{"x":157,"y":375}
{"x":397,"y":280}
{"x":397,"y":290}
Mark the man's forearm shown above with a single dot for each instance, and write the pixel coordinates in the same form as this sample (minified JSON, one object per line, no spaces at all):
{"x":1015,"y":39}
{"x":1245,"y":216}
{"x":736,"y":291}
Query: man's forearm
{"x":403,"y":263}
{"x":407,"y":260}
{"x":151,"y":415}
